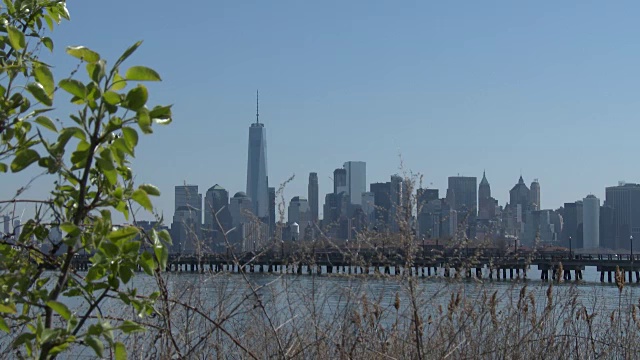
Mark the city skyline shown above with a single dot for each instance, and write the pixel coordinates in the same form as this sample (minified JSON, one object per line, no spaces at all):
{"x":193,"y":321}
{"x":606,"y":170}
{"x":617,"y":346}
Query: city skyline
{"x":510,"y":88}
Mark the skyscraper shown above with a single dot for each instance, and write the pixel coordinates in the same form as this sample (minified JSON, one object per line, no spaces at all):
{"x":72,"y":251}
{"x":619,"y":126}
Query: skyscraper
{"x":272,"y":210}
{"x":186,"y":227}
{"x":534,"y":195}
{"x":396,"y":214}
{"x":625,"y":201}
{"x":486,"y":204}
{"x":424,"y":196}
{"x":240,"y":206}
{"x":465,"y":190}
{"x":188,"y":196}
{"x":313,"y":195}
{"x":520,"y":195}
{"x":299,"y":213}
{"x":572,"y":227}
{"x":216,"y":204}
{"x":340,"y":181}
{"x":257,"y":182}
{"x":356,"y":180}
{"x":591,"y":222}
{"x":466,"y":193}
{"x":382,"y":202}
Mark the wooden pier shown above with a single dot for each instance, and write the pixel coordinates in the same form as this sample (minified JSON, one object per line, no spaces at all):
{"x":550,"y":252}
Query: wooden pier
{"x":446,"y":262}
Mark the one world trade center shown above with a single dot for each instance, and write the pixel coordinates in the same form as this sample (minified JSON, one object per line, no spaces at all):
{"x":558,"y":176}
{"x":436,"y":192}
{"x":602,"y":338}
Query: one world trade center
{"x":257,"y":183}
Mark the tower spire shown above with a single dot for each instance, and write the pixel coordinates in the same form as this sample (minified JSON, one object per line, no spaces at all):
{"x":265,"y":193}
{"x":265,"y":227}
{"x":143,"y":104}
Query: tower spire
{"x":257,"y":104}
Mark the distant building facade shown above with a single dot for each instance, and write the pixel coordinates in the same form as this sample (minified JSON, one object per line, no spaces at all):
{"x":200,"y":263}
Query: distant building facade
{"x":624,"y":199}
{"x":465,"y":202}
{"x":591,"y":222}
{"x":356,"y":172}
{"x":313,"y":196}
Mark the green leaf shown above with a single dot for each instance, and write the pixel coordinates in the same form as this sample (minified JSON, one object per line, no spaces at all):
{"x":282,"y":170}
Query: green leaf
{"x":23,"y":159}
{"x":119,"y":83}
{"x":136,"y":98}
{"x":112,"y":97}
{"x":45,"y":78}
{"x":83,"y":53}
{"x":16,"y":37}
{"x":60,"y":308}
{"x":129,"y":327}
{"x":123,"y":233}
{"x":95,"y":344}
{"x":130,"y":137}
{"x":108,"y":170}
{"x":128,"y":53}
{"x":144,"y":121}
{"x":141,"y":73}
{"x":110,"y":249}
{"x":161,"y":114}
{"x":73,"y":87}
{"x":62,"y":10}
{"x":146,"y":262}
{"x":70,"y":229}
{"x":141,"y":197}
{"x":8,"y":309}
{"x":96,"y":70}
{"x":95,"y":272}
{"x":48,"y":43}
{"x":38,"y":92}
{"x":164,"y":235}
{"x":162,"y":254}
{"x":3,"y":168}
{"x":131,"y":247}
{"x":46,"y":123}
{"x":119,"y":351}
{"x":150,"y":189}
{"x":3,"y":326}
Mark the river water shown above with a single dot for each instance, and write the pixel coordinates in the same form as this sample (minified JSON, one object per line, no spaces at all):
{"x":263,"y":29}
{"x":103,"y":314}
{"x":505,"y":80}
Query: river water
{"x":287,"y":296}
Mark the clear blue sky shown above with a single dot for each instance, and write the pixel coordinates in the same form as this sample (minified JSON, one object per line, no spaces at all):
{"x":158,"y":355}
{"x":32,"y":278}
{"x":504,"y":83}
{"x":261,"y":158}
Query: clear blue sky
{"x":549,"y":89}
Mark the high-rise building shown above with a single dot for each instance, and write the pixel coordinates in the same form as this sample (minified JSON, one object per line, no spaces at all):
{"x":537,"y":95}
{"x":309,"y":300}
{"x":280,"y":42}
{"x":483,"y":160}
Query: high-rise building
{"x":188,"y":196}
{"x":519,"y":206}
{"x":424,"y":196}
{"x":257,"y":181}
{"x":6,"y":220}
{"x":186,"y":231}
{"x":625,"y":201}
{"x":429,"y":220}
{"x":313,"y":196}
{"x":591,"y":222}
{"x":216,"y":204}
{"x":17,"y":228}
{"x":300,"y":213}
{"x":340,"y":181}
{"x":572,"y":224}
{"x":607,"y":233}
{"x":335,"y":207}
{"x":369,"y":207}
{"x":466,"y":196}
{"x":486,"y":204}
{"x":248,"y":233}
{"x":396,"y":213}
{"x":382,"y":201}
{"x":538,"y":228}
{"x":465,"y":189}
{"x":272,"y":210}
{"x":520,"y":195}
{"x":241,"y":209}
{"x":534,"y":195}
{"x":356,"y":180}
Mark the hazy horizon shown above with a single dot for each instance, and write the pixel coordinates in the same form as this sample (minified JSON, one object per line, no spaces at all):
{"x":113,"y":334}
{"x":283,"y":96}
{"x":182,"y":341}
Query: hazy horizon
{"x":546,"y":90}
